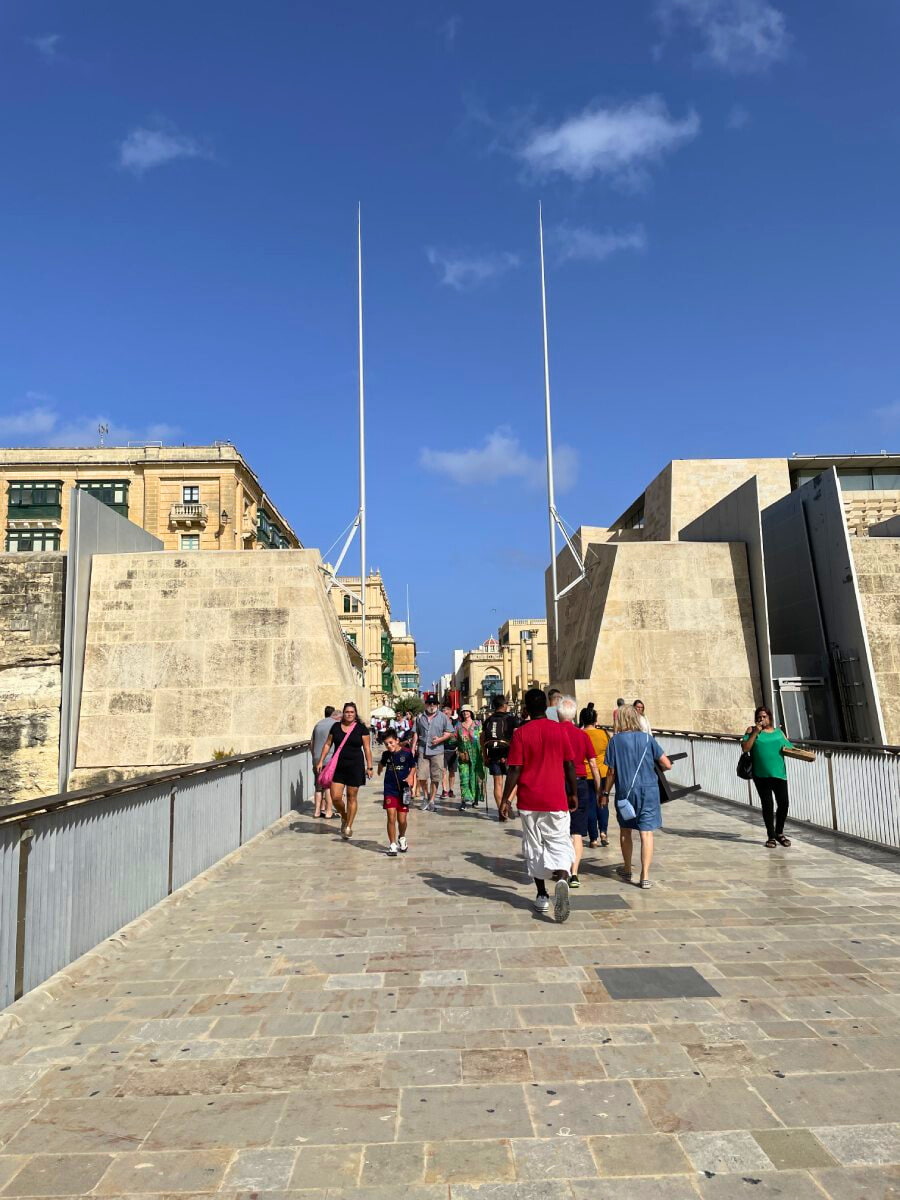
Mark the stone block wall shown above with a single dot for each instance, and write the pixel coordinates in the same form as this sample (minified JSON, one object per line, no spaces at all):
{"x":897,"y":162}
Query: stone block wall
{"x":32,"y":601}
{"x":670,"y":623}
{"x":877,"y":563}
{"x":192,"y":653}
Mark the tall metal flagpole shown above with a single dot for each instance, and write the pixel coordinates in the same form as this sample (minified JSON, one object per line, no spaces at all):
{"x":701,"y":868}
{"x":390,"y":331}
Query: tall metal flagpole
{"x":554,"y":517}
{"x":362,"y":454}
{"x":551,"y":494}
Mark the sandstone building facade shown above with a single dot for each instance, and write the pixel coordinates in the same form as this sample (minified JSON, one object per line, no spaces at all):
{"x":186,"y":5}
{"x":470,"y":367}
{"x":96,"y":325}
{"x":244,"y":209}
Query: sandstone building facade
{"x":728,"y":582}
{"x":191,"y":497}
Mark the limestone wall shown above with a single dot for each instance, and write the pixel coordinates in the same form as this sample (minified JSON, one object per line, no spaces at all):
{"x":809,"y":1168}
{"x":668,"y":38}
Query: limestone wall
{"x":878,"y":574}
{"x":687,"y":487}
{"x":191,"y":653}
{"x":32,"y":592}
{"x":668,"y":622}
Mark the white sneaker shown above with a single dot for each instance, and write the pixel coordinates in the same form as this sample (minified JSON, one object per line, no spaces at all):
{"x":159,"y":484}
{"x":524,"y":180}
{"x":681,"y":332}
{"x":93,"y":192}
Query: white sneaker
{"x":542,"y":903}
{"x":431,"y":807}
{"x":403,"y":845}
{"x":561,"y":901}
{"x":392,"y":850}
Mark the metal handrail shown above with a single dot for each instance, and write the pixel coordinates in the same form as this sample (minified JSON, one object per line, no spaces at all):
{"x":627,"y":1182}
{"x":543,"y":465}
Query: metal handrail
{"x":15,"y":812}
{"x":825,"y":747}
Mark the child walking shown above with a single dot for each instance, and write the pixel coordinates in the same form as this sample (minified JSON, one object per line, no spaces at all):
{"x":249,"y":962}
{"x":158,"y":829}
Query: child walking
{"x":399,"y":769}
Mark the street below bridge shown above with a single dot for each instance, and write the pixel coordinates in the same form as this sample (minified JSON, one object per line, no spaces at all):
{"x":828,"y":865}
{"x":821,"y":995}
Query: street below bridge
{"x":314,"y":1017}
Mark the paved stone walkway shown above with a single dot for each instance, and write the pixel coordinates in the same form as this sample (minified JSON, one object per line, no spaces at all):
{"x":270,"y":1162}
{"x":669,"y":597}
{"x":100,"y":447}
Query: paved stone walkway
{"x":320,"y":1018}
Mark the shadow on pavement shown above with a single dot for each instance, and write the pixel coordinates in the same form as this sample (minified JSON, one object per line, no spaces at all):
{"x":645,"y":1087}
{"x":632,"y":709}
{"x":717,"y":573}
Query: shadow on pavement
{"x":504,"y":868}
{"x":473,"y":889}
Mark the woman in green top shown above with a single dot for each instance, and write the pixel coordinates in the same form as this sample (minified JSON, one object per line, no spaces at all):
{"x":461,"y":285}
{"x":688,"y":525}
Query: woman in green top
{"x":471,"y":765}
{"x":765,"y":744}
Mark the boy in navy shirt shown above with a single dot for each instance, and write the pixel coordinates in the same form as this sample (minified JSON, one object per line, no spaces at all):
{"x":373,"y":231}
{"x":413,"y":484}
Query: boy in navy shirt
{"x":399,"y":768}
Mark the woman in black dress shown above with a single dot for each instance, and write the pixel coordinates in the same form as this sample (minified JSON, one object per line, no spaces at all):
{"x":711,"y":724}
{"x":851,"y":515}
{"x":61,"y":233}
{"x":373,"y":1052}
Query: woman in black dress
{"x":354,"y":764}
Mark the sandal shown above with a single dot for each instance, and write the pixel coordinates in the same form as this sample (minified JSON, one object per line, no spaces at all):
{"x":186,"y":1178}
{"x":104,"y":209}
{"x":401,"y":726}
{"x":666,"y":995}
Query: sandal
{"x":645,"y":884}
{"x":783,"y":841}
{"x":771,"y":844}
{"x":604,"y":840}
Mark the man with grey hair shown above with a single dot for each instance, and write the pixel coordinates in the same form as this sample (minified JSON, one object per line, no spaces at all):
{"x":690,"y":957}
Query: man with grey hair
{"x":585,"y":758}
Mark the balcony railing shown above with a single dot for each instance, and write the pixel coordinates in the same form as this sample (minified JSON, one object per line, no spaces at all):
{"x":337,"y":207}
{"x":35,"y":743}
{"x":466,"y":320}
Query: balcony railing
{"x":189,"y":514}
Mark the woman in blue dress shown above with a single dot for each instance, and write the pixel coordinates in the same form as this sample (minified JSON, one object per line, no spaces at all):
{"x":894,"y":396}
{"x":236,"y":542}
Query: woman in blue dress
{"x":630,"y":757}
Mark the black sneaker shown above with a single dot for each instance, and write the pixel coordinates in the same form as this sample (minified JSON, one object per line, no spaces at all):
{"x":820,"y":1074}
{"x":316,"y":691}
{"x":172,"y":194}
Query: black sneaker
{"x":573,"y":881}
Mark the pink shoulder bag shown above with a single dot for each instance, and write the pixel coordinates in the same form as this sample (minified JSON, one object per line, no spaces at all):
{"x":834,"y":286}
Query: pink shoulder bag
{"x":326,"y":775}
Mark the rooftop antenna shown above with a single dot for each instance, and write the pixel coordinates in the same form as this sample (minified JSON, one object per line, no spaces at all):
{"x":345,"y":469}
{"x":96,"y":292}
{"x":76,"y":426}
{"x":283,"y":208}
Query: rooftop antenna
{"x":359,"y":522}
{"x":552,"y":512}
{"x":408,"y":621}
{"x":103,"y":430}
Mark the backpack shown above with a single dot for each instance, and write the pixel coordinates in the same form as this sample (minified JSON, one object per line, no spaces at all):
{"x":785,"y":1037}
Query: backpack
{"x":498,"y":731}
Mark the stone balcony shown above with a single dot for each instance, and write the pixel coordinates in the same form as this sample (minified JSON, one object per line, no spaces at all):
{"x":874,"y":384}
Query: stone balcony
{"x":189,"y":515}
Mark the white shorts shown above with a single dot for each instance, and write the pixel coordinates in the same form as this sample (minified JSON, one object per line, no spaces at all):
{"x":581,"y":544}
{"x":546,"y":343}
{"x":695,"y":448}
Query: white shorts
{"x":546,"y":843}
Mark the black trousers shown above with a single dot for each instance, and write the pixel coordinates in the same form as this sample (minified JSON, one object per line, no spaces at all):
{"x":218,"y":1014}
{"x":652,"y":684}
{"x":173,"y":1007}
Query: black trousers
{"x":770,"y":792}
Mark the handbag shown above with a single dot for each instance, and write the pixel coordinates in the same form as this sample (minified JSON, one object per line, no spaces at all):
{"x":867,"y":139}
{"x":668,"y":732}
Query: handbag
{"x":799,"y":753}
{"x":625,"y":808}
{"x":326,"y":775}
{"x":745,"y":765}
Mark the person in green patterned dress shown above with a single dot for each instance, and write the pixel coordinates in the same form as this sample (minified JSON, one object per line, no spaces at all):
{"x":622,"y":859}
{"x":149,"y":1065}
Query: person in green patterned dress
{"x":471,"y":763}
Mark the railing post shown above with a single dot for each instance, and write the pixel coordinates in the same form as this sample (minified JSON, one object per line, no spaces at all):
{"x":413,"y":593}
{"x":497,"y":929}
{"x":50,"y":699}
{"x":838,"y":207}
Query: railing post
{"x":27,"y":833}
{"x":829,"y":758}
{"x":171,"y":840}
{"x":691,"y":743}
{"x":241,"y":808}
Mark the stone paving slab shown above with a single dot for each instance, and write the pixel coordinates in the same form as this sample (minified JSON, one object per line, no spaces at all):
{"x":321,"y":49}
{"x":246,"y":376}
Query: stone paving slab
{"x":321,"y":1021}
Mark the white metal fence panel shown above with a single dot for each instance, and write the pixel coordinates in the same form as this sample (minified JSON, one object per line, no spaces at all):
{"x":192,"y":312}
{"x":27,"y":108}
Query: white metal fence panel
{"x":809,"y":791}
{"x":9,"y":896}
{"x":92,"y":868}
{"x":715,"y":765}
{"x":867,"y":796}
{"x":262,"y":796}
{"x":206,"y":822}
{"x":295,"y":767}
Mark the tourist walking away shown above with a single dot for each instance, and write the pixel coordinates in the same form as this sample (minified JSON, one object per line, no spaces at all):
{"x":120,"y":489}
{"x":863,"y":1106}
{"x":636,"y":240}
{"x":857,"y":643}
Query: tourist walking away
{"x":617,"y":712}
{"x":541,"y":767}
{"x":765,"y":744}
{"x":350,"y":765}
{"x":598,"y":820}
{"x":639,"y":709}
{"x":553,"y":698}
{"x":433,"y":731}
{"x":451,"y":760}
{"x":471,"y":763}
{"x":496,"y":738}
{"x":399,"y":769}
{"x":587,"y":716}
{"x":587,"y":779}
{"x":630,"y":759}
{"x":319,"y":737}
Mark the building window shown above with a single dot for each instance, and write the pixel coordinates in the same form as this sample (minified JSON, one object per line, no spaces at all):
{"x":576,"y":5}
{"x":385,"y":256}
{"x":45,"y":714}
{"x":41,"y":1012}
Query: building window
{"x":190,"y":494}
{"x":352,"y":637}
{"x":190,"y":541}
{"x":41,"y":499}
{"x":21,"y":540}
{"x":408,"y":682}
{"x":350,"y":605}
{"x":111,"y":492}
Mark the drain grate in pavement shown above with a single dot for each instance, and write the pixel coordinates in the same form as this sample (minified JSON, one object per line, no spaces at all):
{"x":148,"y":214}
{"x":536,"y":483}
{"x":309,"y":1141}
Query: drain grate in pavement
{"x":654,"y":983}
{"x":596,"y":902}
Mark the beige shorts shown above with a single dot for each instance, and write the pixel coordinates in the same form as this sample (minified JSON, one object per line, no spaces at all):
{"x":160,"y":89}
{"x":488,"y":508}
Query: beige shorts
{"x":430,"y":767}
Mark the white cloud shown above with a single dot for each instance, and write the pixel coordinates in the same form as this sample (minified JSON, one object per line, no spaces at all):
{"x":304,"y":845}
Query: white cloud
{"x":502,"y":457}
{"x":464,"y":271}
{"x":36,"y":422}
{"x":617,"y":143}
{"x":738,"y":118}
{"x":589,"y":245}
{"x":152,"y":146}
{"x":47,"y":45}
{"x":449,"y":29}
{"x":736,"y":35}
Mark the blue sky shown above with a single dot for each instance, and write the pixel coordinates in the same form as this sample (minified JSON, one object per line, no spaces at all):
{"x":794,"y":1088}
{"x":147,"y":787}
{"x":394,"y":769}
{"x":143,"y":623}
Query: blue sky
{"x":720,"y":189}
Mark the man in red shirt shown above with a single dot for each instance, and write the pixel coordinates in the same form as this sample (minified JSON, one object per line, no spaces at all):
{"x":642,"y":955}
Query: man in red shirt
{"x":585,"y":757}
{"x":541,"y":765}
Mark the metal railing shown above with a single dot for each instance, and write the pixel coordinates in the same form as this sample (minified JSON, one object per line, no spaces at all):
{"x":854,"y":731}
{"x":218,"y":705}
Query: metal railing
{"x":75,"y":868}
{"x":850,"y":789}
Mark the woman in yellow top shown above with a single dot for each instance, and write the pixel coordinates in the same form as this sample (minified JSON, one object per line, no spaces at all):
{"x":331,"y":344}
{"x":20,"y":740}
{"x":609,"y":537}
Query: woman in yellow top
{"x":598,"y":812}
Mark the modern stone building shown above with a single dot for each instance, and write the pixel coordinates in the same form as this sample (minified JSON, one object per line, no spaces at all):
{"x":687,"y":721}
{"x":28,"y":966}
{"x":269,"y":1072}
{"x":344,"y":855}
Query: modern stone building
{"x":733,"y":581}
{"x":191,"y":497}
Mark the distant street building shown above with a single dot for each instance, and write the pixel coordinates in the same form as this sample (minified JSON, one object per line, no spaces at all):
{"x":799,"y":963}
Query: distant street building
{"x":191,"y":497}
{"x":379,"y":649}
{"x":506,"y":665}
{"x":406,"y":669}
